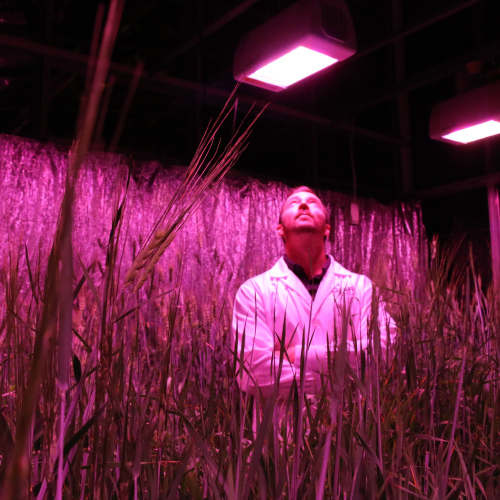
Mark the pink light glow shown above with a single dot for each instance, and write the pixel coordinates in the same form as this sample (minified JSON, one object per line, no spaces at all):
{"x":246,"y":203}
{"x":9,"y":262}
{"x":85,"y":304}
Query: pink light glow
{"x":292,"y":67}
{"x":475,"y":132}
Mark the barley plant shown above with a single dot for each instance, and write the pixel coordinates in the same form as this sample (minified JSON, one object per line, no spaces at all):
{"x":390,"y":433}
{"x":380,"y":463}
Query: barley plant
{"x":152,"y":408}
{"x":121,"y":383}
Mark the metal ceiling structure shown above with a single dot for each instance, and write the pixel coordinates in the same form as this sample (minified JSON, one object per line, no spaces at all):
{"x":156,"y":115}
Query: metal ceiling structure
{"x":172,"y":71}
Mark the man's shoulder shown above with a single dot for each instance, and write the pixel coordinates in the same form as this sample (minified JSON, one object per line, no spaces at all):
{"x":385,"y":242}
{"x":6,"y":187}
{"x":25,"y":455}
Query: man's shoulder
{"x":279,"y":269}
{"x":339,"y":271}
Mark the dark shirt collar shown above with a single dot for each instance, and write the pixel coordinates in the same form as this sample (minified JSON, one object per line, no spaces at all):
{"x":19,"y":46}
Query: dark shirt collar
{"x":310,"y":284}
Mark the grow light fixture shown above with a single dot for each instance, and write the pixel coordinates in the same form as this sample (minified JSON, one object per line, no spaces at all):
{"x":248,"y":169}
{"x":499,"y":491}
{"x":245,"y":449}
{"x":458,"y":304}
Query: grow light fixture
{"x":304,"y":39}
{"x":292,"y":67}
{"x":467,"y":117}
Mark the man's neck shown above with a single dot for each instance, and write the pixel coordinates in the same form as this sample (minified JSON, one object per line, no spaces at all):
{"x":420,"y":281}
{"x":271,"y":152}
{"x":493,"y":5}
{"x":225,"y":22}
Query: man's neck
{"x":310,"y":255}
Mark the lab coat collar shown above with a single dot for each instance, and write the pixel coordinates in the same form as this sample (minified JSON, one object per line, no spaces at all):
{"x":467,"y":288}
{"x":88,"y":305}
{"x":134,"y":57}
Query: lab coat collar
{"x":281,"y":273}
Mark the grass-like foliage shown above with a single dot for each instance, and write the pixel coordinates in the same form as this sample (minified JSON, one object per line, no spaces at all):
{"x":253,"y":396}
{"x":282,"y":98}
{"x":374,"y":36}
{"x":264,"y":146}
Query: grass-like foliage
{"x":153,"y":410}
{"x":117,"y":384}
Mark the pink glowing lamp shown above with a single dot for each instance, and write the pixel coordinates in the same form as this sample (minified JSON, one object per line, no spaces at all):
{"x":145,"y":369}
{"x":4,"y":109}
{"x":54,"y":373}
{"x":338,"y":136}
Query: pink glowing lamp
{"x":300,"y":41}
{"x":297,"y":64}
{"x":475,"y":132}
{"x":467,"y":117}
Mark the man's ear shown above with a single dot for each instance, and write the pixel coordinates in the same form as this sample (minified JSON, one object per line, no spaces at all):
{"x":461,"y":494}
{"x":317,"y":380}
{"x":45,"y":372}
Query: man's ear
{"x":279,"y":230}
{"x":327,"y":230}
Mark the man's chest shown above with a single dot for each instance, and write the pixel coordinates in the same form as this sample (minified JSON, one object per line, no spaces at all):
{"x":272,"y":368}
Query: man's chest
{"x":293,"y":313}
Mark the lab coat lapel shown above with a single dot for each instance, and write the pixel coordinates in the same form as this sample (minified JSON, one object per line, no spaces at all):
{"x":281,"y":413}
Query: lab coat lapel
{"x":280,"y":271}
{"x":332,"y":283}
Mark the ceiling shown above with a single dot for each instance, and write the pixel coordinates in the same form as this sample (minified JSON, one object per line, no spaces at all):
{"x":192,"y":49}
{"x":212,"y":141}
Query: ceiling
{"x":368,"y":114}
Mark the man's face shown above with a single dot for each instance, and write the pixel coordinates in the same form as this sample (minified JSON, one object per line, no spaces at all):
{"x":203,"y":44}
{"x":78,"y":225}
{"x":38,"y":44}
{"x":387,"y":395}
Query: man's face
{"x":303,"y":212}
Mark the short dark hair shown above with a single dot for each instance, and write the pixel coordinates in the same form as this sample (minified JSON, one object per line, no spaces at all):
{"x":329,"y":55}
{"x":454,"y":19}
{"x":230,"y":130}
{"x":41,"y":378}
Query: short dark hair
{"x":301,"y":189}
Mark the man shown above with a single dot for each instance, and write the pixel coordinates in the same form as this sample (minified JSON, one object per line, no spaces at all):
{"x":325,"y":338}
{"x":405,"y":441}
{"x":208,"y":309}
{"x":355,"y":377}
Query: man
{"x":302,"y":301}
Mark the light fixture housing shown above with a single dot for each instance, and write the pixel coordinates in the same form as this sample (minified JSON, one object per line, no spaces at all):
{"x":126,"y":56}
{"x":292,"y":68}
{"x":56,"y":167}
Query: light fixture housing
{"x":467,"y":117}
{"x":308,"y":36}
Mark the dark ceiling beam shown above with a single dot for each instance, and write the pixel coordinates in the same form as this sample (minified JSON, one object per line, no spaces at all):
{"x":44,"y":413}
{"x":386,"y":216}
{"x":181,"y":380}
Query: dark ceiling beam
{"x":191,"y":43}
{"x":482,"y":181}
{"x":57,"y":85}
{"x":403,"y":33}
{"x":449,"y":68}
{"x":74,"y":62}
{"x":71,"y":62}
{"x":209,"y":30}
{"x":323,"y":121}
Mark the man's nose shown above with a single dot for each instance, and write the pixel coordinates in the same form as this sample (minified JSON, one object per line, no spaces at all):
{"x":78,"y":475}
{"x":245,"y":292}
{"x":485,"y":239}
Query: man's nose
{"x":303,"y":206}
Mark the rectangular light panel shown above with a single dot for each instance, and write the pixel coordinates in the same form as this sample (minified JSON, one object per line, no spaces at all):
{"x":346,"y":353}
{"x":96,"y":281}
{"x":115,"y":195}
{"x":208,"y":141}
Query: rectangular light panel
{"x":292,"y":67}
{"x":474,"y":133}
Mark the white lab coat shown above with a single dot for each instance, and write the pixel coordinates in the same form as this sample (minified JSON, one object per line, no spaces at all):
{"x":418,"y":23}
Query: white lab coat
{"x":262,"y":304}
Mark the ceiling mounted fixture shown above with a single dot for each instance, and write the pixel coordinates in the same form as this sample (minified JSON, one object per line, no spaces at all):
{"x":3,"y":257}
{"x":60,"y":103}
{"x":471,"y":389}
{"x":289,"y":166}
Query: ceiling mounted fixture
{"x":303,"y":39}
{"x":467,"y":117}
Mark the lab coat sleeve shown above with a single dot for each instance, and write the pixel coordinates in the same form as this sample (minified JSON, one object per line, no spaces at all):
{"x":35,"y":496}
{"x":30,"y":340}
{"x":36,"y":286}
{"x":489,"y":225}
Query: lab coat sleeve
{"x":317,"y":357}
{"x":251,"y":321}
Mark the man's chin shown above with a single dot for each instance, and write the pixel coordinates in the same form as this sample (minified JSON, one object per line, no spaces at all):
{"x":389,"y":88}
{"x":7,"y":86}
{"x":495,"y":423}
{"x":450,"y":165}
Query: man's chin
{"x":305,"y":228}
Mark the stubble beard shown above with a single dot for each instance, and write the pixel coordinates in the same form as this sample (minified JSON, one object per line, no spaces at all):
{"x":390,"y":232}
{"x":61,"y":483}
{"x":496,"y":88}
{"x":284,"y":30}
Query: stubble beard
{"x":297,"y":229}
{"x":304,"y":230}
